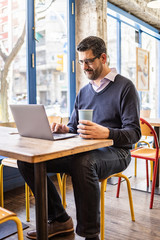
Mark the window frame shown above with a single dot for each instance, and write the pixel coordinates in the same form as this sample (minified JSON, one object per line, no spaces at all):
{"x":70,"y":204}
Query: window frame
{"x":31,"y":54}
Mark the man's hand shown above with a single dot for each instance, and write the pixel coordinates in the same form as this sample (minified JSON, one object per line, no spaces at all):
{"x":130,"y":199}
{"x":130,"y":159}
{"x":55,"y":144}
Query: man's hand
{"x":90,"y":129}
{"x":59,"y":128}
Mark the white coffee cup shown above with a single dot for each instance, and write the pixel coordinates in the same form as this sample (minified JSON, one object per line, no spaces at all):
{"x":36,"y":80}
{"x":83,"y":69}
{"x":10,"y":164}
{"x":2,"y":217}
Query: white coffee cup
{"x":85,"y":114}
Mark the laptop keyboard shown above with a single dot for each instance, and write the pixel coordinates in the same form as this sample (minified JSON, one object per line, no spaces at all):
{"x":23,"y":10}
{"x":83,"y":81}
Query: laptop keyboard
{"x":63,"y":135}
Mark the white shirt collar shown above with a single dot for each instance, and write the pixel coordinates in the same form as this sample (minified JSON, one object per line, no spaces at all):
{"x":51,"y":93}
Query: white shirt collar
{"x":110,"y":76}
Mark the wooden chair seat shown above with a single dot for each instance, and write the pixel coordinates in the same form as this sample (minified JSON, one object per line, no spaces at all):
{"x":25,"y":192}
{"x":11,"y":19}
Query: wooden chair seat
{"x":10,"y":162}
{"x":6,"y":215}
{"x":150,"y":153}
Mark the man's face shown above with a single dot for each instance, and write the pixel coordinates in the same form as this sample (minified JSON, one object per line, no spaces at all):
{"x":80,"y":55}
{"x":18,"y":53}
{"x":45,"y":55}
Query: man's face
{"x":92,"y":65}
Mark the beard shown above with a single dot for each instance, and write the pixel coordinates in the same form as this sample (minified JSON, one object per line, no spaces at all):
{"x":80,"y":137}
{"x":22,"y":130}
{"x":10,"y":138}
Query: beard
{"x":93,"y":74}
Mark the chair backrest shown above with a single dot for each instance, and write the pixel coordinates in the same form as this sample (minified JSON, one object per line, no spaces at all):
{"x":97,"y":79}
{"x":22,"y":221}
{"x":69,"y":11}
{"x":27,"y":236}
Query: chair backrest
{"x":4,"y":213}
{"x":56,"y":119}
{"x":8,"y":124}
{"x":147,"y":130}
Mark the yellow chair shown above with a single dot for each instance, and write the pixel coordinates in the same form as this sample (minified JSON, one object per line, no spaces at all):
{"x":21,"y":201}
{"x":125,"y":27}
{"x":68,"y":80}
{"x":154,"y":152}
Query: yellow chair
{"x":103,"y":188}
{"x":6,"y":215}
{"x":10,"y":162}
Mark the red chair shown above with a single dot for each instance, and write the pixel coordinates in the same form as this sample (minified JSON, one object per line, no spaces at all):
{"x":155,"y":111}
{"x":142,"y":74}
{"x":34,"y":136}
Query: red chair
{"x":148,"y":153}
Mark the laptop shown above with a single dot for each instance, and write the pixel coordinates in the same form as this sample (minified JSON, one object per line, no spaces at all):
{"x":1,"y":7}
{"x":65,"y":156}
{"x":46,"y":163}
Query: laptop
{"x":31,"y":121}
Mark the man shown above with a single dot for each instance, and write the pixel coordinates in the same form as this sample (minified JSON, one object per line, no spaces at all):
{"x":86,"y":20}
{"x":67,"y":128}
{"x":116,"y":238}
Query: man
{"x":115,"y":105}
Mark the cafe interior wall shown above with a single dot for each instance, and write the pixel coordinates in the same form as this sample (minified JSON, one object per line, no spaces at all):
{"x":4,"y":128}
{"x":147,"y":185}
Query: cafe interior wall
{"x":91,"y":16}
{"x":91,"y":19}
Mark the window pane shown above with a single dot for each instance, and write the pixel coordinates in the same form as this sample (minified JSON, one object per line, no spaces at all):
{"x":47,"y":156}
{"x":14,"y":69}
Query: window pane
{"x":150,"y":98}
{"x":128,"y":55}
{"x":112,"y":41}
{"x":12,"y":55}
{"x":51,"y":56}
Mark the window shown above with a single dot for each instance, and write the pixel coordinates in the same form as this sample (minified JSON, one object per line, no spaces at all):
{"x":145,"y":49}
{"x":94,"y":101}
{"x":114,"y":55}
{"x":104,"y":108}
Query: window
{"x":13,"y":76}
{"x":128,"y":52}
{"x":4,"y":11}
{"x":112,"y":41}
{"x":134,"y":33}
{"x":51,"y":57}
{"x":5,"y":27}
{"x":150,"y":98}
{"x":52,"y":35}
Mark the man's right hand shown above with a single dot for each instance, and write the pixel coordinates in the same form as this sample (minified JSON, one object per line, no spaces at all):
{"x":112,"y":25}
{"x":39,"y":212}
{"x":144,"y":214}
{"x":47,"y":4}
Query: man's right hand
{"x":59,"y":128}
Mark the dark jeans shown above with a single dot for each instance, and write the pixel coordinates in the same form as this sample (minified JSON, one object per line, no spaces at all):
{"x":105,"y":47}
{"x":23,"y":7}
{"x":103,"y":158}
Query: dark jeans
{"x":85,"y":170}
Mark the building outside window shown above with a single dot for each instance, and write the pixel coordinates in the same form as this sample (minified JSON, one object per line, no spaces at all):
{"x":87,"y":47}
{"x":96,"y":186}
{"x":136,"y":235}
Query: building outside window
{"x":51,"y":57}
{"x":13,"y":86}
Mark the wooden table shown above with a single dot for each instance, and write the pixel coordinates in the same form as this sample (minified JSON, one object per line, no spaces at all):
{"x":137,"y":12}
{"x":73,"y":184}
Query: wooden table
{"x":154,"y":121}
{"x":39,"y":151}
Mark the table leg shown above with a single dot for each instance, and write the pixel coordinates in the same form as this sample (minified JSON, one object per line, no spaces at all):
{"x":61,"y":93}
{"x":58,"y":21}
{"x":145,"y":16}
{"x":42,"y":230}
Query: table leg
{"x":41,"y":200}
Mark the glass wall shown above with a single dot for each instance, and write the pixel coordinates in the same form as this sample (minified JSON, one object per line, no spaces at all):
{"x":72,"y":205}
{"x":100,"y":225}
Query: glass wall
{"x":150,"y":98}
{"x":13,"y":86}
{"x":128,"y":52}
{"x":51,"y":56}
{"x":132,"y":35}
{"x":112,"y":41}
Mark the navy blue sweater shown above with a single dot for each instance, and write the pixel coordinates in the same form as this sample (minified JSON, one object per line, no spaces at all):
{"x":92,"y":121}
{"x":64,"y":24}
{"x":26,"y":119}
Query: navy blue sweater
{"x":115,"y":107}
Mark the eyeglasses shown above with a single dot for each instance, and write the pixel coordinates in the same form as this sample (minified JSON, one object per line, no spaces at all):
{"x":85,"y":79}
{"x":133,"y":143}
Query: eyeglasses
{"x":88,"y":61}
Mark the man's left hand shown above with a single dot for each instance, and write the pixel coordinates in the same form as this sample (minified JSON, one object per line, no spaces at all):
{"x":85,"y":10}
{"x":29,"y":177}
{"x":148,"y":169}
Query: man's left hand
{"x":88,"y":129}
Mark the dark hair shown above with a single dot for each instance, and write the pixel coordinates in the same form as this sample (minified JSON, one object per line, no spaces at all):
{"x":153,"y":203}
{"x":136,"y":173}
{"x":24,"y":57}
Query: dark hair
{"x":96,"y":44}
